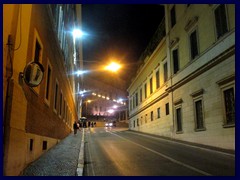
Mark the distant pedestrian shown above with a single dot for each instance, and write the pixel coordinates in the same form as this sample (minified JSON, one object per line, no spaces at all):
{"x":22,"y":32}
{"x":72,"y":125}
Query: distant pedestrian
{"x":95,"y":124}
{"x":75,"y":127}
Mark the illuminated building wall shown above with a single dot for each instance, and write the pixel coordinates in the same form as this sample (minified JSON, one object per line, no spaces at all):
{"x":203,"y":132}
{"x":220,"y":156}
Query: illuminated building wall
{"x":185,"y":88}
{"x":35,"y":119}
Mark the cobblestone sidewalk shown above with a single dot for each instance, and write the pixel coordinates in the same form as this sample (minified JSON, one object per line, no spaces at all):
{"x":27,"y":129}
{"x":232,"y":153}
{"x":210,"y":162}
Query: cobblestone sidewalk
{"x":61,"y":160}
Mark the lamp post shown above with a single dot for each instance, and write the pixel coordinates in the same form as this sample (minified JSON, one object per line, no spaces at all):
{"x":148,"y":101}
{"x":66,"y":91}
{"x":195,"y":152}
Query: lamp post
{"x":88,"y":101}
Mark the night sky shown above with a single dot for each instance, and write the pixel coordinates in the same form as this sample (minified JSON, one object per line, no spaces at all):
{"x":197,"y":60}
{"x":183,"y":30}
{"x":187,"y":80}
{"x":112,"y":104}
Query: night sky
{"x":118,"y":31}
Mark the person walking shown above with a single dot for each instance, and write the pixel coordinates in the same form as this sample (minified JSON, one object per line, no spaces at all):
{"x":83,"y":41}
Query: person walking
{"x":75,"y":127}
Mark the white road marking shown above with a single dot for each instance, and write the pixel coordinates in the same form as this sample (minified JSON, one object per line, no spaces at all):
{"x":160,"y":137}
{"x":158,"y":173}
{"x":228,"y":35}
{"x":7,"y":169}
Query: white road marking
{"x":189,"y":145}
{"x":90,"y":158}
{"x":167,"y":157}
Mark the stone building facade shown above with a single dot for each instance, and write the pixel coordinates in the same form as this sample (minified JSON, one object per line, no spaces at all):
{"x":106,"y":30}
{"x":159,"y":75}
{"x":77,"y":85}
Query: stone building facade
{"x":36,"y":118}
{"x":185,"y":88}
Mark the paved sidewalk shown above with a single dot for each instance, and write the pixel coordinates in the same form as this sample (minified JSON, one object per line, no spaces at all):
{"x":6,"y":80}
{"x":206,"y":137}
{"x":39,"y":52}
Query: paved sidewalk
{"x":60,"y":160}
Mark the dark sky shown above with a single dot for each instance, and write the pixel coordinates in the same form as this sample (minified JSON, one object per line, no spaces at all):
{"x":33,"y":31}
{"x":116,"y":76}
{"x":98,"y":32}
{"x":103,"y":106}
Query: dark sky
{"x":118,"y":31}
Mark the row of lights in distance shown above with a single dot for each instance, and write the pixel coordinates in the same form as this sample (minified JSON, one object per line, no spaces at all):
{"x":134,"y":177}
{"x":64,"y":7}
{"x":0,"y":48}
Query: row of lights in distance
{"x":120,"y":101}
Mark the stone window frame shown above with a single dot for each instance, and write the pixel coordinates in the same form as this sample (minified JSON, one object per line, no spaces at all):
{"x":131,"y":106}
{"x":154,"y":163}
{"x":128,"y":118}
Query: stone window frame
{"x":178,"y":105}
{"x":214,"y":18}
{"x":225,"y":84}
{"x":55,"y":101}
{"x":64,"y":109}
{"x":167,"y":110}
{"x":198,"y":96}
{"x":195,"y":29}
{"x":36,"y":38}
{"x":151,"y":85}
{"x":48,"y":84}
{"x":60,"y":105}
{"x":173,"y":19}
{"x":158,"y":112}
{"x":152,"y":115}
{"x":157,"y":78}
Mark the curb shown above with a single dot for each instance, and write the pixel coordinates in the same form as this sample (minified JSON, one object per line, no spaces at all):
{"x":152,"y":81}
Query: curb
{"x":80,"y":165}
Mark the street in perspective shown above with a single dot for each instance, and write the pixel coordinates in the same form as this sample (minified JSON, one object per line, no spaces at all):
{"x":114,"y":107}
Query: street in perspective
{"x":119,"y":89}
{"x":120,"y":152}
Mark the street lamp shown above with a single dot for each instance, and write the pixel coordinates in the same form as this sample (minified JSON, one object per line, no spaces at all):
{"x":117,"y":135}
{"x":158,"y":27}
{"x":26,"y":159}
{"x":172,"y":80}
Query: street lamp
{"x":77,"y":33}
{"x":88,"y":101}
{"x":113,"y":66}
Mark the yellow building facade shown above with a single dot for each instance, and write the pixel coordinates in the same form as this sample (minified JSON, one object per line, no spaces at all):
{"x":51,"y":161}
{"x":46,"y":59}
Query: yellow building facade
{"x":37,"y":118}
{"x":185,"y":89}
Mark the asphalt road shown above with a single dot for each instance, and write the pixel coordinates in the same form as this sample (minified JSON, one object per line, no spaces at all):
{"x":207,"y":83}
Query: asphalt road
{"x":119,"y":152}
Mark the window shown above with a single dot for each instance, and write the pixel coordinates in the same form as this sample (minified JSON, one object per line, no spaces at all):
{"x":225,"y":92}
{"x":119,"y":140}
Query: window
{"x":141,"y":95}
{"x":229,"y":106}
{"x":198,"y":110}
{"x":194,"y":44}
{"x":151,"y":115}
{"x":165,"y":72}
{"x":145,"y":118}
{"x":134,"y":102}
{"x":173,"y":16}
{"x":157,"y":80}
{"x":179,"y":119}
{"x":64,"y":107}
{"x":175,"y":61}
{"x":221,"y":20}
{"x":158,"y":112}
{"x":37,"y":52}
{"x":56,"y":97}
{"x":178,"y":115}
{"x":60,"y":105}
{"x":199,"y":115}
{"x":48,"y":82}
{"x":136,"y":99}
{"x":137,"y":122}
{"x":31,"y":145}
{"x":151,"y":86}
{"x":167,"y":108}
{"x":44,"y":145}
{"x":129,"y":105}
{"x":66,"y":113}
{"x":134,"y":123}
{"x":145,"y":90}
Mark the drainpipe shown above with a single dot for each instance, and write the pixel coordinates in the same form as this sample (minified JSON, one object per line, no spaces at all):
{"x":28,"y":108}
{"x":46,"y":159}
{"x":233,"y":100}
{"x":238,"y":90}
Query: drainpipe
{"x":10,"y":83}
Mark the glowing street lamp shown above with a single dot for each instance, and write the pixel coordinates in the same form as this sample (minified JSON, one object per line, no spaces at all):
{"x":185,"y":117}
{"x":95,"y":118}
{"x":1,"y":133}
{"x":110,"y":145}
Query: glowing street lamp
{"x":88,"y":101}
{"x":77,"y":33}
{"x":114,"y":67}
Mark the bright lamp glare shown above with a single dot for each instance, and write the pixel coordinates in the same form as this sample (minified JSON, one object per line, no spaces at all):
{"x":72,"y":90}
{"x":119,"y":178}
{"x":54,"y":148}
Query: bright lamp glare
{"x":114,"y":67}
{"x":77,"y":33}
{"x":80,"y":72}
{"x":110,"y":111}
